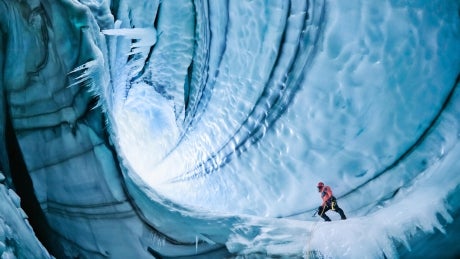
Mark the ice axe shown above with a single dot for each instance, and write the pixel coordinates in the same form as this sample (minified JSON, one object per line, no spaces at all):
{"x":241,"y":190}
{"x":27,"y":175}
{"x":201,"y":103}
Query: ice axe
{"x":314,"y":214}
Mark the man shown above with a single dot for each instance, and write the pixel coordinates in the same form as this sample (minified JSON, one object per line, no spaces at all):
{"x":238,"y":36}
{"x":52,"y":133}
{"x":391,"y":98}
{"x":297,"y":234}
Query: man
{"x":329,"y":202}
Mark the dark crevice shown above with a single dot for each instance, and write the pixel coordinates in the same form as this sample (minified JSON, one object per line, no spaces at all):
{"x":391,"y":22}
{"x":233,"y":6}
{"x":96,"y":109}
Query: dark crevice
{"x":44,"y":32}
{"x":188,"y":82}
{"x":142,"y":72}
{"x":154,"y":253}
{"x":114,"y":6}
{"x":144,"y":68}
{"x":156,"y":20}
{"x":189,"y":76}
{"x":205,"y":94}
{"x":24,"y":188}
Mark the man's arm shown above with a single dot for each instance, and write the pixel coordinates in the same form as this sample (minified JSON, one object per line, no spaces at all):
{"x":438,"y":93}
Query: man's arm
{"x":326,"y":194}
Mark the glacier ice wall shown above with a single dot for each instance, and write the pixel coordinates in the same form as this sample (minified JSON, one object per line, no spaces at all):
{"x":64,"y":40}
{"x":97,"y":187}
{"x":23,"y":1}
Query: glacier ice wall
{"x":182,"y":128}
{"x":17,"y":239}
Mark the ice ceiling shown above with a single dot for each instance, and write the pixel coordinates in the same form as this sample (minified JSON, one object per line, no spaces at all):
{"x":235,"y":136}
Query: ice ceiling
{"x":200,"y":128}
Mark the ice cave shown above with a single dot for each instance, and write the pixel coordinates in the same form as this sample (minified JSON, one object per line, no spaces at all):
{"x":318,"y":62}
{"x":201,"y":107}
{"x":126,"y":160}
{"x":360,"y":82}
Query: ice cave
{"x":200,"y":128}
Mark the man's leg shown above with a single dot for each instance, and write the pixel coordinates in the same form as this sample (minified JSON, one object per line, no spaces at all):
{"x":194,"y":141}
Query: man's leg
{"x":336,"y":208}
{"x":322,"y":212}
{"x":340,"y":211}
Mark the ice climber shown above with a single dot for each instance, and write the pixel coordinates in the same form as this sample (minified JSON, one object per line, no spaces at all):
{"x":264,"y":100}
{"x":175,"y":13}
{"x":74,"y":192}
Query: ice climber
{"x":329,"y":202}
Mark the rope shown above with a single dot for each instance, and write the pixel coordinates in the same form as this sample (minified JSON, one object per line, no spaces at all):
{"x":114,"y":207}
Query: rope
{"x":307,"y":252}
{"x":313,"y":227}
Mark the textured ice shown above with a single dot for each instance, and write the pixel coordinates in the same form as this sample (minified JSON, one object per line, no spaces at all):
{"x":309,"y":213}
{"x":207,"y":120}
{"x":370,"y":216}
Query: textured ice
{"x":17,"y":239}
{"x":181,"y":128}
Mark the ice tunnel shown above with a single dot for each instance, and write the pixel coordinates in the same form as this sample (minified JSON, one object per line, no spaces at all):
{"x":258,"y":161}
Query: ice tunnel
{"x":199,"y":129}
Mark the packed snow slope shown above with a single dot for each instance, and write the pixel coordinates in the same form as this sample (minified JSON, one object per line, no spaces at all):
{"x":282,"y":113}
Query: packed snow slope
{"x":200,"y":128}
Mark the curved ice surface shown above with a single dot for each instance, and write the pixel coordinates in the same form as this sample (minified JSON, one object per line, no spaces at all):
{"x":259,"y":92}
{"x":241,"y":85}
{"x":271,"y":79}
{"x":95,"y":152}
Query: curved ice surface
{"x":282,"y":95}
{"x":224,"y":115}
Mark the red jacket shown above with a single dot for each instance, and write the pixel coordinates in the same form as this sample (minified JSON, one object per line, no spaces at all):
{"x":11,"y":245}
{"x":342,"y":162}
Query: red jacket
{"x":326,"y":194}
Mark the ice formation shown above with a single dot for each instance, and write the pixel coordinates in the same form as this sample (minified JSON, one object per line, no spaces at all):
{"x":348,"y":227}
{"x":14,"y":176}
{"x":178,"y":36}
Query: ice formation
{"x":199,"y":128}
